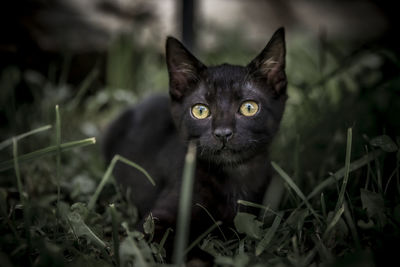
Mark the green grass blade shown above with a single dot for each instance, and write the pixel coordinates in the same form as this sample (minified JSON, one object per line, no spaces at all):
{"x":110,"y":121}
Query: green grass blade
{"x":138,"y":167}
{"x":107,"y":175}
{"x":340,"y":173}
{"x":165,"y":236}
{"x":51,"y":150}
{"x":58,"y":155}
{"x":26,"y":213}
{"x":334,"y":221}
{"x":9,"y":141}
{"x":295,"y":188}
{"x":352,"y":225}
{"x":263,"y":244}
{"x":82,"y":229}
{"x":212,"y":218}
{"x":129,"y":246}
{"x":115,"y":235}
{"x":340,"y":201}
{"x":83,"y":88}
{"x":256,"y":205}
{"x":202,"y":236}
{"x":185,"y":203}
{"x":17,"y":171}
{"x":390,"y":179}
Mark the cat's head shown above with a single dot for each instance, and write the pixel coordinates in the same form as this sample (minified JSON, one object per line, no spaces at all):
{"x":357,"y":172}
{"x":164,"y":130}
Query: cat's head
{"x":231,"y":112}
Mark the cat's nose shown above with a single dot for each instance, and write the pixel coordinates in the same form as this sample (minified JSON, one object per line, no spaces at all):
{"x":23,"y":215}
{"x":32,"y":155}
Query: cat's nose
{"x":223,"y":134}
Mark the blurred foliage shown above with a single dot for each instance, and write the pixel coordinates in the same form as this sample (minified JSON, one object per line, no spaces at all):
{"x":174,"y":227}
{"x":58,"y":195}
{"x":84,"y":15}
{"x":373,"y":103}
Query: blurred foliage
{"x":331,"y":87}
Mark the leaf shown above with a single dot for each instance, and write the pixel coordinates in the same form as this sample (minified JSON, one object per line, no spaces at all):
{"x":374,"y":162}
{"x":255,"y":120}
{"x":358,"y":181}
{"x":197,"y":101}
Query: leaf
{"x":149,"y":226}
{"x":374,"y":204}
{"x":385,"y":143}
{"x":246,"y":223}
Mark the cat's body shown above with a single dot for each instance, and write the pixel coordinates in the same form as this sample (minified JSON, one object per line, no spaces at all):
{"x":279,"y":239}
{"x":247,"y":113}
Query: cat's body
{"x":230,"y":112}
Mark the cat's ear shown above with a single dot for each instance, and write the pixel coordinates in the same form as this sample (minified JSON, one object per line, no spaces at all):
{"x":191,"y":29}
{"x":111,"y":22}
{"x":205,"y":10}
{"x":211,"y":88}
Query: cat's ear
{"x":183,"y":67}
{"x":270,"y":63}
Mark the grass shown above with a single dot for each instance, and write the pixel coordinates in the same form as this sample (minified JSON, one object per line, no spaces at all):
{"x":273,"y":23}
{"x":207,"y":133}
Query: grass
{"x":336,"y":155}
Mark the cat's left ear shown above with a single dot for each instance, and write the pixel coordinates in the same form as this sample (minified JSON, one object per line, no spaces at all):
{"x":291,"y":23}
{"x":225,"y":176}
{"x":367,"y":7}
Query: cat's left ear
{"x":270,"y":63}
{"x":183,"y":68}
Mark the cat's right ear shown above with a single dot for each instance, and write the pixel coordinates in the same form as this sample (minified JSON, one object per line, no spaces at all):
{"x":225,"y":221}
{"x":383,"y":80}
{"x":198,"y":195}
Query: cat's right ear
{"x":183,"y":68}
{"x":270,"y":63}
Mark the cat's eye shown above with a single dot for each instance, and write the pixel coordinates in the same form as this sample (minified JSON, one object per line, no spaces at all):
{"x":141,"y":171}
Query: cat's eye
{"x":248,"y":108}
{"x":200,"y":111}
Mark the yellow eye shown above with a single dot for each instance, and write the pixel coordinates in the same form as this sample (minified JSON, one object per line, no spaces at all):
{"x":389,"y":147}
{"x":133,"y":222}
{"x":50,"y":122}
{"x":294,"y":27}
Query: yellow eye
{"x":249,"y":108}
{"x":200,"y":111}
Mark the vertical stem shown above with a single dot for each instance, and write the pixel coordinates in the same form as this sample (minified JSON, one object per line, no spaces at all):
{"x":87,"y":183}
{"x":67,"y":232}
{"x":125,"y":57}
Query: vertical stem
{"x":58,"y":143}
{"x":185,"y":203}
{"x":22,"y":196}
{"x":323,"y":205}
{"x":340,"y":202}
{"x":17,"y":171}
{"x":115,"y":235}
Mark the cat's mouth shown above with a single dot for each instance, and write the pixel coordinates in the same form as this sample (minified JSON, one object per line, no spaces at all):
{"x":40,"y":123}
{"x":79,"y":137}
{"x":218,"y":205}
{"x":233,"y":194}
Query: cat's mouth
{"x":223,"y":154}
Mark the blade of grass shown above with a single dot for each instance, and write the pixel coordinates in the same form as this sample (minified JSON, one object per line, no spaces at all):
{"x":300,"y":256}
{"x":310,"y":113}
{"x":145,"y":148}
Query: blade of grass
{"x":295,"y":188}
{"x":323,"y":205}
{"x":378,"y":175}
{"x":334,"y":221}
{"x":212,"y":218}
{"x":340,"y":173}
{"x":352,"y":226}
{"x":340,"y":201}
{"x":50,"y":150}
{"x":390,"y":179}
{"x":58,"y":155}
{"x":115,"y":236}
{"x":9,"y":141}
{"x":259,"y":206}
{"x":17,"y":171}
{"x":185,"y":203}
{"x":323,"y":251}
{"x":84,"y":86}
{"x":263,"y":244}
{"x":202,"y":236}
{"x":139,"y":258}
{"x":136,"y":166}
{"x":309,"y":257}
{"x":108,"y":173}
{"x":82,"y":229}
{"x":165,"y":236}
{"x":26,"y":214}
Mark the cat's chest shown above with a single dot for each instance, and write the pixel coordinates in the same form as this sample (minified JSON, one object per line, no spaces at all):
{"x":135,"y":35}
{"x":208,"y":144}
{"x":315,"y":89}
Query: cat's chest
{"x":220,"y":189}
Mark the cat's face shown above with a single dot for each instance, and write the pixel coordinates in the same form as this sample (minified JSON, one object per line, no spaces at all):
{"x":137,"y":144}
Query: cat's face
{"x":231,"y":112}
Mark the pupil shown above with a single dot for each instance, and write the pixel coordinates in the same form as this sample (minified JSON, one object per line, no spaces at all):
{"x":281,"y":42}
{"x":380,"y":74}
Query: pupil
{"x":248,"y":107}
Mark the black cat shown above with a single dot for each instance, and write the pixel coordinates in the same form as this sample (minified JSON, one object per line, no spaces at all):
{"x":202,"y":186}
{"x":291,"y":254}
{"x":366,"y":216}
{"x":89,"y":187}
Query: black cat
{"x":232,"y":114}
